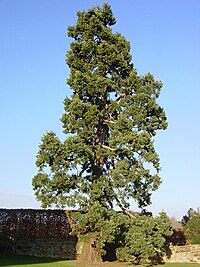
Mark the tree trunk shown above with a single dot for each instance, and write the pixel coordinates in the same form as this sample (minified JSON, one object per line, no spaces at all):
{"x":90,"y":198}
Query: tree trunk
{"x":89,"y":252}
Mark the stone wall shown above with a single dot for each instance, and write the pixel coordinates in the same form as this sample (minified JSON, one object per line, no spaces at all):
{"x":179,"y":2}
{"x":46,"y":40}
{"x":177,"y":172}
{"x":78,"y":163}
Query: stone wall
{"x":186,"y":253}
{"x":43,"y":233}
{"x":54,"y":247}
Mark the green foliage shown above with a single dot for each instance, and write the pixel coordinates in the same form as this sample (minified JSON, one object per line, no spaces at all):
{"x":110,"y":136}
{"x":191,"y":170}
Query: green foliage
{"x":145,"y":239}
{"x":141,"y":238}
{"x":192,"y":226}
{"x":110,"y":120}
{"x":100,"y":223}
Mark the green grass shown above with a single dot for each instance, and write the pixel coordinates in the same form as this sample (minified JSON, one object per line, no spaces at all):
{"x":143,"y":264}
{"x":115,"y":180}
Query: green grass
{"x":26,"y":261}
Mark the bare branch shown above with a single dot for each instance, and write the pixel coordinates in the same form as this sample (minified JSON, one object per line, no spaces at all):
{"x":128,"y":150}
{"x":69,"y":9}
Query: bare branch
{"x":107,"y":147}
{"x":124,"y":210}
{"x":108,"y":121}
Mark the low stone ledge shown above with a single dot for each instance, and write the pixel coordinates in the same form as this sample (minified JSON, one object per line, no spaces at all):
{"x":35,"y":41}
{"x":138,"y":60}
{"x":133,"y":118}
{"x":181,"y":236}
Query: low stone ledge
{"x":186,"y":253}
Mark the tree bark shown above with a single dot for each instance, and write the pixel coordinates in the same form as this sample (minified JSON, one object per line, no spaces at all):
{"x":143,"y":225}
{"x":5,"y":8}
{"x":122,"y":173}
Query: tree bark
{"x":89,"y":252}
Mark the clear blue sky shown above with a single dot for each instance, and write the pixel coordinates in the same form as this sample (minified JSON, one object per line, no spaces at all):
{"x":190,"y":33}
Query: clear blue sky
{"x":165,"y":40}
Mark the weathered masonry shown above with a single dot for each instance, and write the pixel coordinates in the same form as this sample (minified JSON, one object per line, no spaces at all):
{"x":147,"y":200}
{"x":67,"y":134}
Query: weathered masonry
{"x":186,"y":253}
{"x":42,"y":233}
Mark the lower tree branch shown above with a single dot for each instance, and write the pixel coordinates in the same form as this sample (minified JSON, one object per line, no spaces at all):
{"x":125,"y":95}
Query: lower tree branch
{"x":124,"y":210}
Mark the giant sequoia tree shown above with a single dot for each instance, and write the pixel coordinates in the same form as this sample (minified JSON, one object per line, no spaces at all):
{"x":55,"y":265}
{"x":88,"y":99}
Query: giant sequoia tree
{"x":110,"y":121}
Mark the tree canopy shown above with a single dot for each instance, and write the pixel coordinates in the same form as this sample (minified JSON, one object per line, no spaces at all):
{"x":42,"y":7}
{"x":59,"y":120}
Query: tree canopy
{"x":110,"y":121}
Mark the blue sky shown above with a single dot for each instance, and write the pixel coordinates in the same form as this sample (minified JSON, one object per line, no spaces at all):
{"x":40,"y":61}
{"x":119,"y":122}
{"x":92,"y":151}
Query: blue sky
{"x":165,"y":40}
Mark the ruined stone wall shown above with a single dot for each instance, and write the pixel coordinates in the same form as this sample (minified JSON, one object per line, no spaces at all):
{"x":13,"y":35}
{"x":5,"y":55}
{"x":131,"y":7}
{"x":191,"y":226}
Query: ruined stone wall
{"x":186,"y":253}
{"x":54,"y":247}
{"x":43,"y":233}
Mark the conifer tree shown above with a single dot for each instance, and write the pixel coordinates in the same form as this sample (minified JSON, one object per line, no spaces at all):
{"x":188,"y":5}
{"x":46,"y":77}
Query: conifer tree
{"x":191,"y":222}
{"x":110,"y":121}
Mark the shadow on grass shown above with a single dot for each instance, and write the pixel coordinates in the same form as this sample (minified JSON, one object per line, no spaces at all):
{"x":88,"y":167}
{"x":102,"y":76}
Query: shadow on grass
{"x":11,"y":259}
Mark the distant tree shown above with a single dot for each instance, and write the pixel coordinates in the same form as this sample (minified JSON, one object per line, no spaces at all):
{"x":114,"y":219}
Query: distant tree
{"x":192,"y":226}
{"x":108,"y":156}
{"x":186,"y":217}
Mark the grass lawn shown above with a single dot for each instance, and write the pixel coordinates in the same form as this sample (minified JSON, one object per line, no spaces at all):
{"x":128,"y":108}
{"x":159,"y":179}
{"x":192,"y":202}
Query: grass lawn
{"x":16,"y":261}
